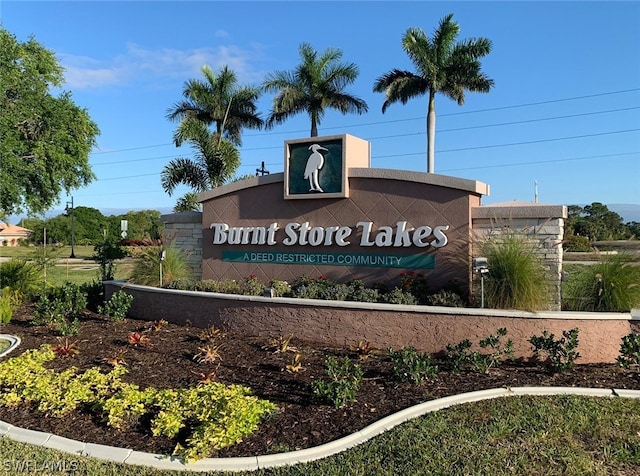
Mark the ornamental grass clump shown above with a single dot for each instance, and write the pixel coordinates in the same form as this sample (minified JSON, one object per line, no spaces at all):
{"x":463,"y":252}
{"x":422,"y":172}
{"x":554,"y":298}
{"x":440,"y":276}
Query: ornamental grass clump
{"x":146,"y":270}
{"x":612,"y":285}
{"x":517,"y":277}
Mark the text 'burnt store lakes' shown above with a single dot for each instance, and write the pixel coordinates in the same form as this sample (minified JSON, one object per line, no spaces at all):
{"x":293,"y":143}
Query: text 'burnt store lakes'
{"x":330,"y":214}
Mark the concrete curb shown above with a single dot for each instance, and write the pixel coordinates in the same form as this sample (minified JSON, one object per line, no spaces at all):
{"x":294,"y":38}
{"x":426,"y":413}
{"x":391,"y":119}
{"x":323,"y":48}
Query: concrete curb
{"x":14,"y":342}
{"x":123,"y":455}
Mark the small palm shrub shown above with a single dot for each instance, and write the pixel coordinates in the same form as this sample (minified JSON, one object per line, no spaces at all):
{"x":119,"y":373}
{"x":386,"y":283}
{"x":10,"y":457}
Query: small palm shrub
{"x":611,"y":285}
{"x":517,"y":277}
{"x":21,"y":276}
{"x":6,"y":305}
{"x":146,"y":269}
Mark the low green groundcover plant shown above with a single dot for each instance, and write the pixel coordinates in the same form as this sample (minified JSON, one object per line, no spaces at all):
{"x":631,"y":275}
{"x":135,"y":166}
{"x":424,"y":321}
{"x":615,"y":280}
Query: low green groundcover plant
{"x":211,"y":415}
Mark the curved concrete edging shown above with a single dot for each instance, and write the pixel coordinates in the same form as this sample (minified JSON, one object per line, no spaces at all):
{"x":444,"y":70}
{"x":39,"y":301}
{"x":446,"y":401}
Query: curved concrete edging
{"x":14,"y":341}
{"x":122,"y":455}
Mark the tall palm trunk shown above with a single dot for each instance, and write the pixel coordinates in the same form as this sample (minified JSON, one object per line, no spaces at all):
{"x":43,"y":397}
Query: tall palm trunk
{"x":431,"y":132}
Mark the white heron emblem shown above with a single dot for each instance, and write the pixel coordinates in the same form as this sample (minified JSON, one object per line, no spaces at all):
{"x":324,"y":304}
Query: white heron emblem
{"x":314,"y":164}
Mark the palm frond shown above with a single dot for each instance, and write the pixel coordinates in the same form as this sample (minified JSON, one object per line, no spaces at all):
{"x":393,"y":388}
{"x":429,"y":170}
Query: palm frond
{"x":183,"y":171}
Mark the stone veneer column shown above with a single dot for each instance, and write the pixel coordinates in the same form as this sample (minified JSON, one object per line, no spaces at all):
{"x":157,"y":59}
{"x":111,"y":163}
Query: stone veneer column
{"x":543,"y":224}
{"x":184,"y":230}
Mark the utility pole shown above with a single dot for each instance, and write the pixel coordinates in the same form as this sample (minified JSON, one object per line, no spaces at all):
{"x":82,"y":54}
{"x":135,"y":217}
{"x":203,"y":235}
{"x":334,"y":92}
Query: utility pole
{"x":69,"y":209}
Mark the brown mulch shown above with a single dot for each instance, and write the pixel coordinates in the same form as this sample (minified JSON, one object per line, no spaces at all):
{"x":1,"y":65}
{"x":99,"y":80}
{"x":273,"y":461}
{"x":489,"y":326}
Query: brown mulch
{"x":301,"y":421}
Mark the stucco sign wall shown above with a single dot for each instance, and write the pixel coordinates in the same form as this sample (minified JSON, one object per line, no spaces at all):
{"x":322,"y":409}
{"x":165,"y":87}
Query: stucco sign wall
{"x":386,"y":221}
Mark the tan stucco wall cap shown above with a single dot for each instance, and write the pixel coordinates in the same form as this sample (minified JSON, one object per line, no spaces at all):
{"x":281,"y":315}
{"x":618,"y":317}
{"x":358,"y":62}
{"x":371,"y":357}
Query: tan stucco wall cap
{"x":471,"y":186}
{"x":240,"y":185}
{"x":182,"y":217}
{"x":518,"y":209}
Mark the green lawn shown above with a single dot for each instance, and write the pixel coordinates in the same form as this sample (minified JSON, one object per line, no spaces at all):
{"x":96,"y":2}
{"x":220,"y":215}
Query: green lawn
{"x":83,"y":252}
{"x":61,"y":268}
{"x":528,"y":435}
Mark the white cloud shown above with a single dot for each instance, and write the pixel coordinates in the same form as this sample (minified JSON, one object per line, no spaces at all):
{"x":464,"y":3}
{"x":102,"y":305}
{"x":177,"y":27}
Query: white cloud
{"x":139,"y":64}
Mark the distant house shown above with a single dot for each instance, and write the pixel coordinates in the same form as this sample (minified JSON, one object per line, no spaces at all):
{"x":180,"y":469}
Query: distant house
{"x":10,"y":234}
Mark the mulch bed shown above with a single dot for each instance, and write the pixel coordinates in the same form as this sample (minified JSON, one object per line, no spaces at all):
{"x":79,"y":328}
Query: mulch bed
{"x":301,"y":421}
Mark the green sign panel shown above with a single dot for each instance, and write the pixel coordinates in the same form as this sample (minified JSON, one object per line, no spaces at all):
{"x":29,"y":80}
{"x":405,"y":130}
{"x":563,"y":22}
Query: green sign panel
{"x":315,"y":167}
{"x":332,"y":259}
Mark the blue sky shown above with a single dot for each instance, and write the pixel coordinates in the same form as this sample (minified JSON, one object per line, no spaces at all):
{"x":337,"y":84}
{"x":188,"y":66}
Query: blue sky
{"x":565,"y":110}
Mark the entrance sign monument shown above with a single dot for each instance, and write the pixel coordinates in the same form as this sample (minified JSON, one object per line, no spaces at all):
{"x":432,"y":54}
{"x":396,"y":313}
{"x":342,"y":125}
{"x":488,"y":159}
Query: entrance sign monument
{"x":330,"y":214}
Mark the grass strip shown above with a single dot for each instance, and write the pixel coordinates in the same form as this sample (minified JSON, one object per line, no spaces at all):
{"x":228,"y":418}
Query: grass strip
{"x":519,"y":435}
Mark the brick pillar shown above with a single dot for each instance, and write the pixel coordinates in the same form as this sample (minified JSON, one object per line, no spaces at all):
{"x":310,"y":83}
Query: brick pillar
{"x":184,"y":230}
{"x":542,"y":224}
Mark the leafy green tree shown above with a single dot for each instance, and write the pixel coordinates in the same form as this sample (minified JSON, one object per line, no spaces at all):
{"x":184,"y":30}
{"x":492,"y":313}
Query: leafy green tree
{"x":443,"y":66}
{"x":105,"y":254}
{"x":142,"y":224}
{"x":596,"y":222}
{"x":45,"y":140}
{"x":634,"y":229}
{"x":89,"y":224}
{"x":318,"y":83}
{"x":219,"y":101}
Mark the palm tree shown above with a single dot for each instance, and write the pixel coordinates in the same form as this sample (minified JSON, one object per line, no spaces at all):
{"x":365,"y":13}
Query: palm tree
{"x":215,"y":161}
{"x":218,"y":101}
{"x":316,"y":84}
{"x":443,"y":66}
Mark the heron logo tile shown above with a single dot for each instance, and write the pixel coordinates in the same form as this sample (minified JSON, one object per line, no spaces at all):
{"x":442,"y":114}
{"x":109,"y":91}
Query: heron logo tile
{"x":316,"y":167}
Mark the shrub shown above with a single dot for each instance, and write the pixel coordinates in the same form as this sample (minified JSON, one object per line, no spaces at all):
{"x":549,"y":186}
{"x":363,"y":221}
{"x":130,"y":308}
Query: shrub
{"x":343,"y":384}
{"x":445,"y":298}
{"x":611,"y":285}
{"x":416,"y":285}
{"x":6,"y":305}
{"x":457,"y":356}
{"x":577,"y":243}
{"x":398,"y":296}
{"x":561,"y":353}
{"x":310,"y":288}
{"x":146,"y":269}
{"x":409,"y":364}
{"x":118,"y":306}
{"x":517,"y":278}
{"x":629,"y":351}
{"x":207,"y":416}
{"x":21,"y":276}
{"x":94,"y":291}
{"x":63,"y":302}
{"x":483,"y":362}
{"x":251,"y":286}
{"x":105,"y":254}
{"x":280,"y":288}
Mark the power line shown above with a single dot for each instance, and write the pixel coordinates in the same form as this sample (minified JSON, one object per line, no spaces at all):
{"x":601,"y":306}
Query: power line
{"x":537,"y":162}
{"x":399,"y":120}
{"x":513,"y":143}
{"x":491,"y":146}
{"x":527,"y":121}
